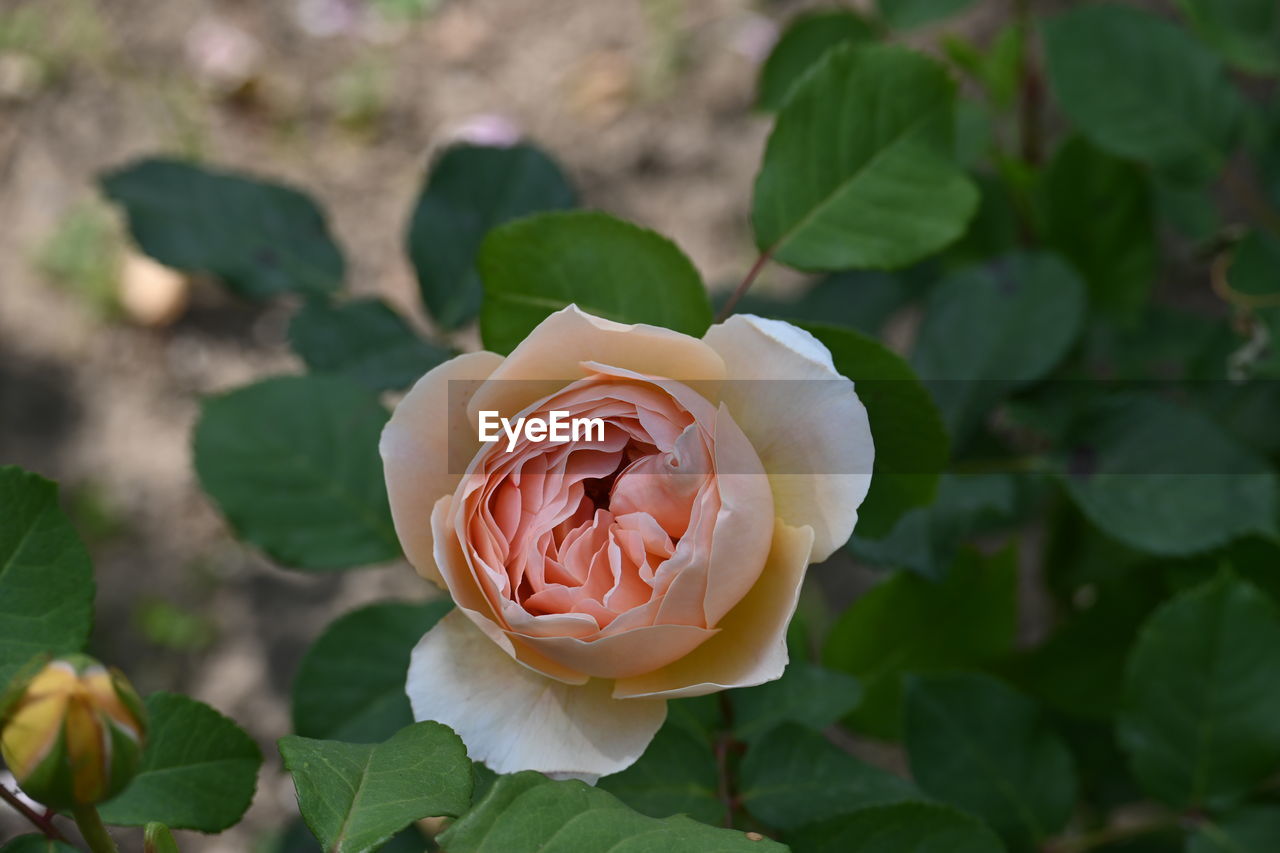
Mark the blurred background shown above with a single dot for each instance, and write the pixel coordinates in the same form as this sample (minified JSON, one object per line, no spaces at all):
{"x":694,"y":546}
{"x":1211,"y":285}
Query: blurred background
{"x":648,"y":104}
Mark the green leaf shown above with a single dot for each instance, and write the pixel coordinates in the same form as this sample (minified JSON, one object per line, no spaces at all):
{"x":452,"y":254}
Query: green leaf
{"x":354,"y":797}
{"x":907,"y":624}
{"x":985,"y":748}
{"x":1165,"y":479}
{"x":261,"y":239}
{"x":799,"y":48}
{"x":157,"y":838}
{"x":911,"y":441}
{"x":1201,"y":718}
{"x":926,"y":540}
{"x":839,"y":191}
{"x":198,"y":770}
{"x":1250,"y":830}
{"x":472,"y":189}
{"x":810,"y":695}
{"x":46,"y":579}
{"x":607,"y":267}
{"x":1245,"y":32}
{"x":901,"y":828}
{"x":527,"y":812}
{"x":1079,"y":669}
{"x":293,"y":464}
{"x":365,"y":340}
{"x":863,"y":300}
{"x":36,"y":843}
{"x":794,"y":776}
{"x":350,"y":685}
{"x":1140,"y":87}
{"x":908,"y":14}
{"x":675,"y":775}
{"x":988,"y":331}
{"x":1096,"y":211}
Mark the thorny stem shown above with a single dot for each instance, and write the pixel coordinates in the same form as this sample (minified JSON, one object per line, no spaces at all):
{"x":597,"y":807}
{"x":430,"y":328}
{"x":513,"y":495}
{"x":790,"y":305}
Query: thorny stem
{"x":95,"y":834}
{"x":43,"y":823}
{"x":747,"y":281}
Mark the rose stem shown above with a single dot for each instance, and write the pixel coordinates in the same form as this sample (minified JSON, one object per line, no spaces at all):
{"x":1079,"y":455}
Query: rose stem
{"x":747,"y":281}
{"x":95,"y":834}
{"x":44,"y":824}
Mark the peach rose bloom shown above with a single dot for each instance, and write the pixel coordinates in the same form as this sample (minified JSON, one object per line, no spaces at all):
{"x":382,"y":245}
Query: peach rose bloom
{"x":594,"y":580}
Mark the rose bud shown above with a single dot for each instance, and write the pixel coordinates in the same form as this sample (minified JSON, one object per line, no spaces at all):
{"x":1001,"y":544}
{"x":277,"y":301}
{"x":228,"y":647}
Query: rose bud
{"x":597,"y":577}
{"x":73,"y":733}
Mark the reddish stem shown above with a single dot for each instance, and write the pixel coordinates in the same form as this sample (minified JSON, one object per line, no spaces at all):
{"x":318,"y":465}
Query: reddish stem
{"x":747,"y":281}
{"x":43,"y":823}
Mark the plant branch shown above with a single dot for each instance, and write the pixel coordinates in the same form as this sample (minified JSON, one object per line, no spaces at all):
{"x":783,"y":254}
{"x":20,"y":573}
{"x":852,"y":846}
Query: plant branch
{"x":747,"y":281}
{"x":1112,"y":834}
{"x":726,"y":743}
{"x":91,"y":827}
{"x":1030,"y":88}
{"x":43,"y":823}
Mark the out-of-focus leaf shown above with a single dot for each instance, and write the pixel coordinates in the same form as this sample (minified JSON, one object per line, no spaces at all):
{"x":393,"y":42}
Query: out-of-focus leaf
{"x":982,"y":746}
{"x":1254,"y":278}
{"x":1096,"y":211}
{"x":364,"y":340}
{"x":470,"y":190}
{"x":350,"y":685}
{"x":911,"y":441}
{"x":803,"y":43}
{"x":807,"y":694}
{"x":925,"y":540}
{"x":1141,"y":87}
{"x":1165,"y":479}
{"x":988,"y":331}
{"x":862,"y":300}
{"x":293,"y":464}
{"x":1245,"y":32}
{"x":837,"y":191}
{"x":355,"y":797}
{"x":900,"y":828}
{"x":198,"y":771}
{"x":46,"y":579}
{"x":907,"y":14}
{"x":907,"y":624}
{"x":261,"y":239}
{"x":794,"y":777}
{"x":607,"y":267}
{"x":1201,"y":718}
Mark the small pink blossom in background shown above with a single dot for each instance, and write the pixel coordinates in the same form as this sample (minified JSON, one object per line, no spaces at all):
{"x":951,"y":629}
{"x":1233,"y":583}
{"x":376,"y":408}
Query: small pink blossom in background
{"x":755,"y":37}
{"x":222,"y":53}
{"x":493,"y":130}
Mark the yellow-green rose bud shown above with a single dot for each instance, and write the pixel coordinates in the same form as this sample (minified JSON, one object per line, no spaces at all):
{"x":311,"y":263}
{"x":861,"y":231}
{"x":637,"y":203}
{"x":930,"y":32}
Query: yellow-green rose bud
{"x":73,"y":733}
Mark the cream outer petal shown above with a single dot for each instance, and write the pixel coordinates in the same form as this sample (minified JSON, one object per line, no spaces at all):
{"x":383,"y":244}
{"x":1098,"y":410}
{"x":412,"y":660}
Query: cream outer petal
{"x":751,"y":647}
{"x":812,"y":436}
{"x":425,"y":447}
{"x":513,"y":719}
{"x":554,"y":352}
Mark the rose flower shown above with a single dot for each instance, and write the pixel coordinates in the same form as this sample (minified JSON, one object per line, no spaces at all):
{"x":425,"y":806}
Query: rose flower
{"x":595,"y":579}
